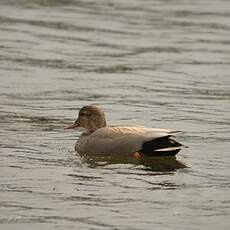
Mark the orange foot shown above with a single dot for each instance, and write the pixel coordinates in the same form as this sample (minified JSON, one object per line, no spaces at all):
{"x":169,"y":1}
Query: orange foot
{"x":137,"y":156}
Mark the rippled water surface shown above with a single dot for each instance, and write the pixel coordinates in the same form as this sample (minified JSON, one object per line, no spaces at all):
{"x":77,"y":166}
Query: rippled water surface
{"x":154,"y":63}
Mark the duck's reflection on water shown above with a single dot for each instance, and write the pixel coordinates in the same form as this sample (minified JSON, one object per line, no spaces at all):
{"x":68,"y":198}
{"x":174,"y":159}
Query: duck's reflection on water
{"x":160,"y":164}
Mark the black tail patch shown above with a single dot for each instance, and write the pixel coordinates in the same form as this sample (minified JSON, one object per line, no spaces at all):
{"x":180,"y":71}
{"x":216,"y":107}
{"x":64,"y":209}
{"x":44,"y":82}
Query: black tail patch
{"x":163,"y":146}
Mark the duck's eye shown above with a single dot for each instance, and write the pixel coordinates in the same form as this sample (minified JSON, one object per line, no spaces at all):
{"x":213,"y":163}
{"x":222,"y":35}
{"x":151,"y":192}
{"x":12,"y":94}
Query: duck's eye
{"x":85,"y":114}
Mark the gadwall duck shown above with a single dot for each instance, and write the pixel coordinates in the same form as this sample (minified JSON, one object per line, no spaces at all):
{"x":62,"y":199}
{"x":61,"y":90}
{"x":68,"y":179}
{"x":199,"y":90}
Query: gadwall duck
{"x":100,"y":139}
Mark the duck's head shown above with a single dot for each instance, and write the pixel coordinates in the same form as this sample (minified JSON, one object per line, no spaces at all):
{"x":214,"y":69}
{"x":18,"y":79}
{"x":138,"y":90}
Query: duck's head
{"x":91,"y":118}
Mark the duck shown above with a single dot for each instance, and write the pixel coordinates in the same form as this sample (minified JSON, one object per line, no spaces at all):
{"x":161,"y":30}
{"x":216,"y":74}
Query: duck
{"x":99,"y":139}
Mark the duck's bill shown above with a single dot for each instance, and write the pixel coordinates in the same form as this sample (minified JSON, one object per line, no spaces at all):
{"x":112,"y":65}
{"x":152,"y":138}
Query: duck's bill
{"x":72,"y":126}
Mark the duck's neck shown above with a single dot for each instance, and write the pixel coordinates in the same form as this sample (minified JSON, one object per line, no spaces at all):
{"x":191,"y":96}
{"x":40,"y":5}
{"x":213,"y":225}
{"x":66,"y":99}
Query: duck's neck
{"x":95,"y":126}
{"x":89,"y":131}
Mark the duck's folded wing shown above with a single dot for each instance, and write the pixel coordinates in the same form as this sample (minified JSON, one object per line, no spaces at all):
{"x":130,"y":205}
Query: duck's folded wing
{"x":117,"y":131}
{"x":122,"y":140}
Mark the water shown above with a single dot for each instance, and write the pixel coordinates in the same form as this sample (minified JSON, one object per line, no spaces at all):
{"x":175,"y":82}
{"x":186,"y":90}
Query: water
{"x":154,"y":63}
